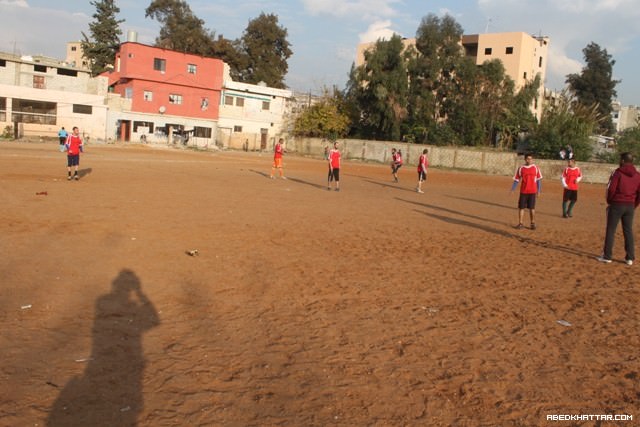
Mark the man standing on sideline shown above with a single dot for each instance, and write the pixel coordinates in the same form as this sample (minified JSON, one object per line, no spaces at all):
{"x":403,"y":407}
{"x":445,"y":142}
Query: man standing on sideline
{"x":74,"y":148}
{"x":334,"y":167}
{"x":623,"y":196}
{"x":529,"y":176}
{"x":278,"y":150}
{"x":423,"y":164}
{"x":571,"y":176}
{"x":62,"y":136}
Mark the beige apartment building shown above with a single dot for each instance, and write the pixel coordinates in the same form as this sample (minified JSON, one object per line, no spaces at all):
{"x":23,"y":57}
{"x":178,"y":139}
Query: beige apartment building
{"x":524,"y":56}
{"x":624,"y":117}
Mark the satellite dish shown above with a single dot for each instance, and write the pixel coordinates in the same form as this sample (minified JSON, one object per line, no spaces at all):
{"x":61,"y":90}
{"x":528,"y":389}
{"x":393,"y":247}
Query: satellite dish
{"x":162,"y":109}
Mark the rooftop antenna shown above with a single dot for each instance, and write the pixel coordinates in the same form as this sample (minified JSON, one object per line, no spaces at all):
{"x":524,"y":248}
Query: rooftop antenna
{"x":486,"y":29}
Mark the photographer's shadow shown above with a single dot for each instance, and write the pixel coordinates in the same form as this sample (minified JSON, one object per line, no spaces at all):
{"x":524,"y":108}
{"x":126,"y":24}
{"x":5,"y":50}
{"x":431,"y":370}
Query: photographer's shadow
{"x":109,"y":393}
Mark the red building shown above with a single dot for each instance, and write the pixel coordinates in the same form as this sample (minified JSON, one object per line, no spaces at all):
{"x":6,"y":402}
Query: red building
{"x":166,"y":82}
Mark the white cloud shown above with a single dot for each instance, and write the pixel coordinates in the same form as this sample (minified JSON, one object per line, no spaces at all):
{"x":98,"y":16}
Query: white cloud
{"x":377,"y":30}
{"x":364,"y":9}
{"x":18,"y":3}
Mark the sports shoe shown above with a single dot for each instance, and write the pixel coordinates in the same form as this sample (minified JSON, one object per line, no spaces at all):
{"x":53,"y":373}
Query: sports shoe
{"x":628,"y":261}
{"x":69,"y":178}
{"x":565,"y":216}
{"x":420,"y":191}
{"x":601,"y":258}
{"x":337,"y":189}
{"x":519,"y":227}
{"x":533,"y":226}
{"x":283,"y":177}
{"x":76,"y":177}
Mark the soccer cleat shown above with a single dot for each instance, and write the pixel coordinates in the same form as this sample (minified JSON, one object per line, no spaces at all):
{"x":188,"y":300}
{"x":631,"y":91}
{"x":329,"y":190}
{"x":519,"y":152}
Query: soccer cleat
{"x":420,"y":191}
{"x":337,"y":189}
{"x":519,"y":226}
{"x":601,"y":258}
{"x":76,"y":177}
{"x":283,"y":177}
{"x":533,"y":226}
{"x":628,"y":261}
{"x":69,"y":178}
{"x":565,"y":216}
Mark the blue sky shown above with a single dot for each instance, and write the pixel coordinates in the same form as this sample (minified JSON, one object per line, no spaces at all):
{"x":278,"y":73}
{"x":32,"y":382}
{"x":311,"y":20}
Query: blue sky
{"x":324,"y":33}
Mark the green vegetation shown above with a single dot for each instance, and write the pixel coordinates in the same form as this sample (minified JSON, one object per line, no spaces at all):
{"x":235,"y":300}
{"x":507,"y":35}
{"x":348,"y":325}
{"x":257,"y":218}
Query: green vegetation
{"x":105,"y":32}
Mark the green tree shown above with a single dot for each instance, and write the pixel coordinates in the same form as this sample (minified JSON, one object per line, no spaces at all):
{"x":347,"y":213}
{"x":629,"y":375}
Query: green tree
{"x":595,"y":84}
{"x":230,"y":51}
{"x":629,"y":140}
{"x":266,"y":50}
{"x":379,"y":88}
{"x":432,"y":72}
{"x":326,"y":118}
{"x":565,"y":122}
{"x":181,"y":30}
{"x":101,"y":48}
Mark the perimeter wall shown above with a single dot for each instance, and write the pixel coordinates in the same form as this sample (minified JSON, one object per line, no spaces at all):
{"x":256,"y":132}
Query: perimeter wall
{"x":474,"y":159}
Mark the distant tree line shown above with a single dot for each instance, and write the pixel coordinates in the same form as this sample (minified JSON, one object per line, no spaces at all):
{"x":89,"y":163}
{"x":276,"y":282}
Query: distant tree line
{"x":429,"y":93}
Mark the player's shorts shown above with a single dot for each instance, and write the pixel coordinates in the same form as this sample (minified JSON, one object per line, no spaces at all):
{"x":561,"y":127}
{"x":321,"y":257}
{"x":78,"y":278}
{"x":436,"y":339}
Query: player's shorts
{"x":527,"y":201}
{"x":570,"y":195}
{"x":334,"y":174}
{"x":63,"y":139}
{"x":73,"y":159}
{"x":422,"y":176}
{"x":277,"y":163}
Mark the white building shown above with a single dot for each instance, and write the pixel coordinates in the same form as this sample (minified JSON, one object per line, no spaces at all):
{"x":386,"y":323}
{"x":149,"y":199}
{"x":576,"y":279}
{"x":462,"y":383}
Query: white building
{"x":251,"y":117}
{"x":39,"y":95}
{"x":624,"y":117}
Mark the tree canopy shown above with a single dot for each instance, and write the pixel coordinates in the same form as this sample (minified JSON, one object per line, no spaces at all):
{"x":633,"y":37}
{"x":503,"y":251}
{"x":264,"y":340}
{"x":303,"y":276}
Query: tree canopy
{"x":266,"y":50}
{"x":105,"y":32}
{"x":595,"y":84}
{"x":180,"y":29}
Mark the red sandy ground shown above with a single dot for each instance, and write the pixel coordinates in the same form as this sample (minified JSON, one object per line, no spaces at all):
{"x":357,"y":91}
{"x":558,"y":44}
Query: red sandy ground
{"x":374,"y":306}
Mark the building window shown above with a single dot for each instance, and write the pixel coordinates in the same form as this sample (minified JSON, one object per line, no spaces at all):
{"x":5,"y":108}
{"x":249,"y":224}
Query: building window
{"x":148,"y":95}
{"x":487,"y":51}
{"x":82,"y":109}
{"x":237,"y":128}
{"x":40,"y":68}
{"x":509,"y":50}
{"x":159,"y":64}
{"x":65,"y":72}
{"x":148,"y":125}
{"x":228,"y":100}
{"x":128,"y":92}
{"x":175,"y":99}
{"x":73,"y":48}
{"x":239,"y":102}
{"x":3,"y":109}
{"x":3,"y":63}
{"x":525,"y":75}
{"x":540,"y":62}
{"x":265,"y":105}
{"x":191,"y":68}
{"x":30,"y":111}
{"x":38,"y":82}
{"x":201,"y":132}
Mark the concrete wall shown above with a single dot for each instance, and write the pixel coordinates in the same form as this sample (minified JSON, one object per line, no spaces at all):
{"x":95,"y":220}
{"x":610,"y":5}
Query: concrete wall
{"x":487,"y":161}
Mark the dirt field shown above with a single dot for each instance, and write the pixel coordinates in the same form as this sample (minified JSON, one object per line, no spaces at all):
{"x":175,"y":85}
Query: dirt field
{"x":373,"y":306}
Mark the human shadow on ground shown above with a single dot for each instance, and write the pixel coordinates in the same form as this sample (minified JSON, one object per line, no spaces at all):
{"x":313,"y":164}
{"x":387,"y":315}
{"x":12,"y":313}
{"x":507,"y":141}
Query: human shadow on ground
{"x":395,"y":186}
{"x":451,"y":211}
{"x":109,"y":392}
{"x":301,"y":181}
{"x":266,"y":175}
{"x":84,"y":172}
{"x":506,"y":234}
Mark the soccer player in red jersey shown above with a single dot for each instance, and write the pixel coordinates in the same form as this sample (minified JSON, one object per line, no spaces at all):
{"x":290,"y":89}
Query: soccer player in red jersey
{"x":571,"y":176}
{"x":74,"y":148}
{"x":278,"y":150}
{"x":529,"y":176}
{"x":423,"y":164}
{"x":334,"y":167}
